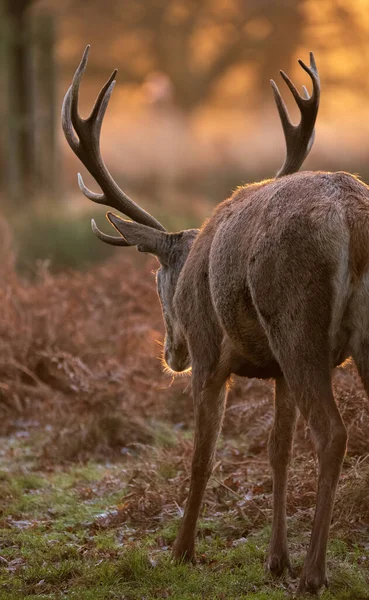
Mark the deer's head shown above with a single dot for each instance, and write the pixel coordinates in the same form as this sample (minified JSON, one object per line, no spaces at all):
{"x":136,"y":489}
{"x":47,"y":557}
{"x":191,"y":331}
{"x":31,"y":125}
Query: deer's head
{"x":171,"y":250}
{"x":144,"y":231}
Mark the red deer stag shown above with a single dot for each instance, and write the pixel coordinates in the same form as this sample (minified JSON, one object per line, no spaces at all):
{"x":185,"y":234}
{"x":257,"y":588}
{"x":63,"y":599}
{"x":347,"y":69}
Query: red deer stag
{"x":274,"y":285}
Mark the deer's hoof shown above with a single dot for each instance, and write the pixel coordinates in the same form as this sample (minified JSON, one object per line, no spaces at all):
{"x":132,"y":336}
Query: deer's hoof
{"x":277,"y":564}
{"x":312,"y":581}
{"x":182,"y":553}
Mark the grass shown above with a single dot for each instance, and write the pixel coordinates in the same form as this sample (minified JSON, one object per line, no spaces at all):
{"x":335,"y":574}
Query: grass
{"x":63,"y":535}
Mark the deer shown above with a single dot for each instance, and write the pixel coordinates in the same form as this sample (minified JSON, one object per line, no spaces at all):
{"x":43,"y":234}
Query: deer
{"x":274,"y":285}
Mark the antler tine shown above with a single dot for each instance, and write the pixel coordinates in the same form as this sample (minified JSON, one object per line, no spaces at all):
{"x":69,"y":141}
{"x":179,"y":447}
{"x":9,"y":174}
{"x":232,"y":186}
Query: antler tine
{"x":75,"y":118}
{"x":113,"y":240}
{"x":299,"y":138}
{"x":103,"y":98}
{"x":307,"y":95}
{"x":99,"y":198}
{"x":282,"y":108}
{"x":83,"y":136}
{"x":67,"y":126}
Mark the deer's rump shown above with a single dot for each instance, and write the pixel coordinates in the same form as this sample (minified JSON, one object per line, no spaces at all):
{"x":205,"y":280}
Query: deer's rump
{"x":293,"y":256}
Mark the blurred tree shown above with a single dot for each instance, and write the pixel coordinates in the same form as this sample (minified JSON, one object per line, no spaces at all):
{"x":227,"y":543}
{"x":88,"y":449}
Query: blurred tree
{"x":197,"y":43}
{"x":3,"y":63}
{"x":46,"y":103}
{"x":20,"y":144}
{"x":326,"y":26}
{"x":29,"y":101}
{"x":194,"y":43}
{"x":283,"y":25}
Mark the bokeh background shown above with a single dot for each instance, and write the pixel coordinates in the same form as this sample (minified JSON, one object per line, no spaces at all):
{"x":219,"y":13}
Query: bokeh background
{"x":192,"y":115}
{"x":95,"y":439}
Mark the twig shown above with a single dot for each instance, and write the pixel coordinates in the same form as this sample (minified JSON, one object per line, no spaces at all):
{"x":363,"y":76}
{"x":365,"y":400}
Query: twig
{"x":227,"y":488}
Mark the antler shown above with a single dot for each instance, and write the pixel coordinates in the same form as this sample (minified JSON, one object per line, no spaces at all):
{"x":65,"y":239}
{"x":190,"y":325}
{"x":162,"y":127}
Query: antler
{"x":299,"y":138}
{"x":83,"y":136}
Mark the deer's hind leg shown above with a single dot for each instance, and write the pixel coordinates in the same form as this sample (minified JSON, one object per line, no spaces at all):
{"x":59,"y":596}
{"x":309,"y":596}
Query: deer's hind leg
{"x":280,"y":445}
{"x":330,"y":438}
{"x":309,"y":381}
{"x":292,"y":292}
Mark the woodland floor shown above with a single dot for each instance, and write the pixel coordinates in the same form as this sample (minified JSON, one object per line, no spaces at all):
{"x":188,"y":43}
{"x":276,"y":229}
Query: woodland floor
{"x":102,"y":530}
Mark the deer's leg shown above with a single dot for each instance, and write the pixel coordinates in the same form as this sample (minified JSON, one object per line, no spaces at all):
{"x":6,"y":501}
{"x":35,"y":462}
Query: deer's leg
{"x":309,"y":381}
{"x":280,"y":444}
{"x":292,"y":286}
{"x":330,"y":437}
{"x":209,"y":402}
{"x":304,"y":357}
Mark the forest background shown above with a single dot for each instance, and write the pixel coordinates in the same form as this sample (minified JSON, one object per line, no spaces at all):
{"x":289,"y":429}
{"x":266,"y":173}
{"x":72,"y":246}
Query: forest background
{"x":95,"y":439}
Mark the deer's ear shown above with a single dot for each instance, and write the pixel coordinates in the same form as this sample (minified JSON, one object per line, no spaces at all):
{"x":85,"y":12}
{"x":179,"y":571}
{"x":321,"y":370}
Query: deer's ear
{"x":147,"y":239}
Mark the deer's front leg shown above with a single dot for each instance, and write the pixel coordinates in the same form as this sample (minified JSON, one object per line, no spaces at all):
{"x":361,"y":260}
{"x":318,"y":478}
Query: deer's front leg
{"x":209,"y":402}
{"x":280,"y":444}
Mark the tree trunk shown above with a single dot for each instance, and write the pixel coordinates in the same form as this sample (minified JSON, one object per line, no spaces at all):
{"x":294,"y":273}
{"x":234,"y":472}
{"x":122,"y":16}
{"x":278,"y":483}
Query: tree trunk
{"x":3,"y":78}
{"x":46,"y":152}
{"x":21,"y":143}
